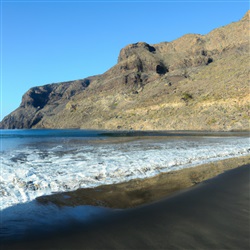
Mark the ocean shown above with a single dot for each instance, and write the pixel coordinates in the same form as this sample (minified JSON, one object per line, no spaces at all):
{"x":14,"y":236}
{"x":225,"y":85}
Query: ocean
{"x":42,"y":162}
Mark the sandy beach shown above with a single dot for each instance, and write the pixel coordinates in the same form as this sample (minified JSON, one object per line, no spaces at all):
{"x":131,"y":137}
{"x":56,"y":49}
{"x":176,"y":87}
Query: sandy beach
{"x":195,"y":214}
{"x":143,"y":191}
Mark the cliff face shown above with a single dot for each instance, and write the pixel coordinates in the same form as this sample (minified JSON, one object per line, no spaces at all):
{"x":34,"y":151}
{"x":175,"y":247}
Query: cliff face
{"x":40,"y":102}
{"x":193,"y":83}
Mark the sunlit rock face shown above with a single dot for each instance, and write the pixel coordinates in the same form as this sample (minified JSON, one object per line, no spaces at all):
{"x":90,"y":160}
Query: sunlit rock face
{"x":196,"y":82}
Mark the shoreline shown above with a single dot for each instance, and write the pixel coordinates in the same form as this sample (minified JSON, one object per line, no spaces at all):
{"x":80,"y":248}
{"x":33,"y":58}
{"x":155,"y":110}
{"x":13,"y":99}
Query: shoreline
{"x":138,"y":192}
{"x":212,"y":215}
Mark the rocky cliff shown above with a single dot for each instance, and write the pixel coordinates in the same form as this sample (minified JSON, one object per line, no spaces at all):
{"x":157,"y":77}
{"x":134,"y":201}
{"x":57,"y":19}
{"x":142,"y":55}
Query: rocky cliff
{"x":197,"y":82}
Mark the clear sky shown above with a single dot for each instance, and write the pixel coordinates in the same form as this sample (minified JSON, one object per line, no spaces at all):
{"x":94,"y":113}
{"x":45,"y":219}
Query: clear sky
{"x":52,"y":41}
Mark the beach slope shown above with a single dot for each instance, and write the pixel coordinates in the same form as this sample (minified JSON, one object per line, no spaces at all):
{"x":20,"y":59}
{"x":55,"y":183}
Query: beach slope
{"x":214,"y":214}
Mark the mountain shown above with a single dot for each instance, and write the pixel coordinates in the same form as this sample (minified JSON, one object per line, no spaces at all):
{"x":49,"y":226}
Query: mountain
{"x":196,"y":82}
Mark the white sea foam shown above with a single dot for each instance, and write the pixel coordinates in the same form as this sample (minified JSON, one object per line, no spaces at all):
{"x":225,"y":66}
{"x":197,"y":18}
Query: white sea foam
{"x":44,"y":168}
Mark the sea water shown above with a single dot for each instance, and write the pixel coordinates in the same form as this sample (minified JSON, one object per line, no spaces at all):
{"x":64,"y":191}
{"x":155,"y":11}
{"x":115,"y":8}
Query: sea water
{"x":42,"y":162}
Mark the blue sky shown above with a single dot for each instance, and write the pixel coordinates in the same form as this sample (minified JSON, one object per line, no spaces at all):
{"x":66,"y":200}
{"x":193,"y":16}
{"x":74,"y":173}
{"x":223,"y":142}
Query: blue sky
{"x":52,"y":41}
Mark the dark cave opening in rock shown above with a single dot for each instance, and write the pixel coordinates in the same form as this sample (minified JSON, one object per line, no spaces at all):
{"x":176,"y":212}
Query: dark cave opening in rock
{"x":161,"y":70}
{"x":209,"y":60}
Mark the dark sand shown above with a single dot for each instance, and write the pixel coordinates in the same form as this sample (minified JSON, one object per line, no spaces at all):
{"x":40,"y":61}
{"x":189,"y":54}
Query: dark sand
{"x":214,"y":214}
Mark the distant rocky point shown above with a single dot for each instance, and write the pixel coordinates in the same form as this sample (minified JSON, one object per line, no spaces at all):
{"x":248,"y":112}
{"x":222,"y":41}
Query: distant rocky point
{"x":197,"y":82}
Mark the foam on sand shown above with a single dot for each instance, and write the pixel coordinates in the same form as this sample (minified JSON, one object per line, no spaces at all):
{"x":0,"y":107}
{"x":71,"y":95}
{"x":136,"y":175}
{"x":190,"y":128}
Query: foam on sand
{"x":46,"y":167}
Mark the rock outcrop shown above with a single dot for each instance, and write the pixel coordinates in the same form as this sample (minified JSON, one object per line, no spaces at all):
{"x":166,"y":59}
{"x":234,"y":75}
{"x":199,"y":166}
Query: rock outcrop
{"x":197,"y":82}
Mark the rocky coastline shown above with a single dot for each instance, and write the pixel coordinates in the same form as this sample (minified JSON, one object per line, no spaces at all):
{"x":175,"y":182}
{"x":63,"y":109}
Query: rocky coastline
{"x":196,"y":82}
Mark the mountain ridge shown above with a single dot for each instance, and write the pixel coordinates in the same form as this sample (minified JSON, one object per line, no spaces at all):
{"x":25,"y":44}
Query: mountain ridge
{"x":196,"y":82}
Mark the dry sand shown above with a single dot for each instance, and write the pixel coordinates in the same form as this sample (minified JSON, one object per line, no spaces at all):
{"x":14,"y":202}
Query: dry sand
{"x":214,"y":214}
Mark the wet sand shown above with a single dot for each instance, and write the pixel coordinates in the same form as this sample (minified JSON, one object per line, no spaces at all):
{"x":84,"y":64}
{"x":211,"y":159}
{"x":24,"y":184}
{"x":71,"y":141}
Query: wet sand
{"x":143,"y":191}
{"x":215,"y":214}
